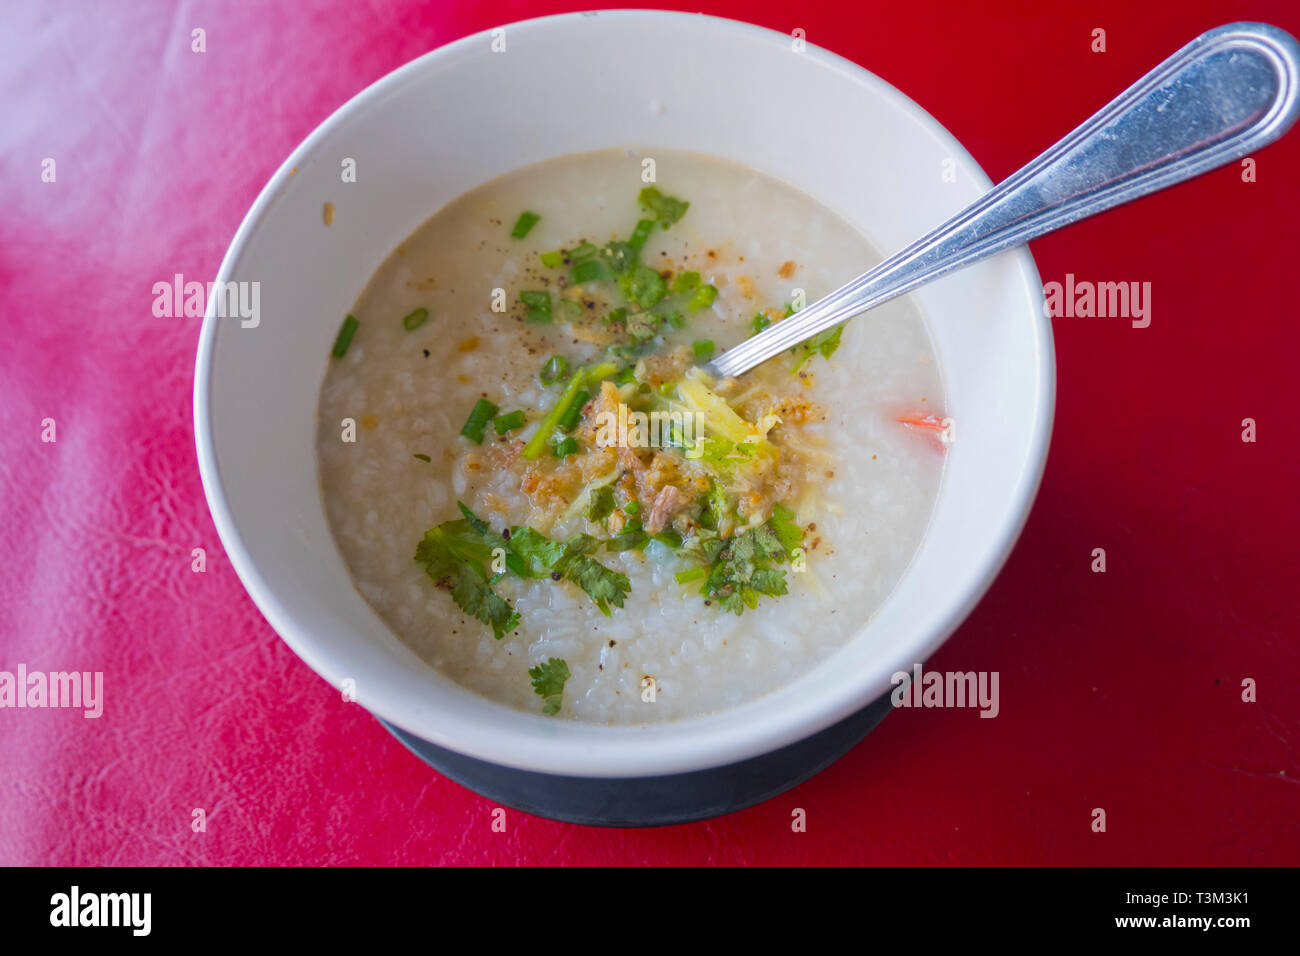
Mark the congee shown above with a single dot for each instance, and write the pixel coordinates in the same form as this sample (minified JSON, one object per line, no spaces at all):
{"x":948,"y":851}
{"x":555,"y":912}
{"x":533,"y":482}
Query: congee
{"x":532,"y":480}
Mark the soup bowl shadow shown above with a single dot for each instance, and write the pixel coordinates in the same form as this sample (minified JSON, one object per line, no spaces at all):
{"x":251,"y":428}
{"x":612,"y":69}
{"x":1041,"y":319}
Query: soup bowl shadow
{"x":466,"y":113}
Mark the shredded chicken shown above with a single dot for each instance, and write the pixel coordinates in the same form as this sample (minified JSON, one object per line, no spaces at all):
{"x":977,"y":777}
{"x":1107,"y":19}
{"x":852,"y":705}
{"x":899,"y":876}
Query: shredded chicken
{"x":666,"y":504}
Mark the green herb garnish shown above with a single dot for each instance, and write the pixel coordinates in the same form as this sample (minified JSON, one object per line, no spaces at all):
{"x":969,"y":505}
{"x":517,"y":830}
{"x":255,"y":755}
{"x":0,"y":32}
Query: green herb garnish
{"x":701,"y":298}
{"x":538,"y":302}
{"x":524,"y":224}
{"x":744,"y":566}
{"x":479,"y":416}
{"x":666,"y":209}
{"x":548,"y":683}
{"x":643,"y":285}
{"x":415,"y":319}
{"x":565,"y":447}
{"x":460,"y":556}
{"x":348,"y":329}
{"x":601,"y":503}
{"x":640,"y":234}
{"x":632,"y":537}
{"x":684,"y":283}
{"x":823,"y":344}
{"x":593,"y":270}
{"x":422,"y":457}
{"x":533,"y":555}
{"x":509,"y":421}
{"x":703,"y":349}
{"x":551,"y":422}
{"x":573,"y":414}
{"x":457,"y":555}
{"x":554,"y":369}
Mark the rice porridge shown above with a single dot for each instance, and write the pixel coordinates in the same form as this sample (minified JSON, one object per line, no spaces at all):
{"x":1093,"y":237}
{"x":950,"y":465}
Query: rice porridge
{"x":537,"y":487}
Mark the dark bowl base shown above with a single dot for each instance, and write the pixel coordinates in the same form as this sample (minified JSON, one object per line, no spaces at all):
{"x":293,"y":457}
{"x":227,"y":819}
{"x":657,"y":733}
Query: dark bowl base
{"x":652,"y":801}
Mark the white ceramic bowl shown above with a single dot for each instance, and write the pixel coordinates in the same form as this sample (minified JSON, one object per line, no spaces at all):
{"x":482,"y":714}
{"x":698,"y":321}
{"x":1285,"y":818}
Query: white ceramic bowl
{"x":464,"y":114}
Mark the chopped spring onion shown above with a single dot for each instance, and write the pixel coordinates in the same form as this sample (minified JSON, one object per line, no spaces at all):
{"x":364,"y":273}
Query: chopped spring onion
{"x":640,"y":234}
{"x":509,"y":421}
{"x":702,"y":298}
{"x":422,"y":457}
{"x":479,"y":416}
{"x":643,"y":285}
{"x":703,"y":349}
{"x":524,"y":224}
{"x":667,"y":209}
{"x":415,"y":319}
{"x":643,"y":326}
{"x":553,"y":259}
{"x":760,"y":322}
{"x":593,"y":270}
{"x":551,"y":422}
{"x":554,"y":369}
{"x":598,"y":373}
{"x":344,"y":339}
{"x":632,"y":537}
{"x":676,"y":320}
{"x":569,"y":310}
{"x":668,"y":538}
{"x":632,"y":508}
{"x":539,"y":304}
{"x":574,"y":413}
{"x":685,"y":283}
{"x":582,"y":251}
{"x":618,"y":256}
{"x":565,"y":446}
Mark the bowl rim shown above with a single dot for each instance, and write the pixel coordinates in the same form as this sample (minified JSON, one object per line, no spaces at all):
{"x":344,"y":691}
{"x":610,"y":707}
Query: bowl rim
{"x":578,"y":762}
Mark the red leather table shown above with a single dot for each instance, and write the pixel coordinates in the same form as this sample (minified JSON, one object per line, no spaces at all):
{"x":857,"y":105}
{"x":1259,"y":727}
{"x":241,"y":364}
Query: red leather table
{"x":1120,"y":691}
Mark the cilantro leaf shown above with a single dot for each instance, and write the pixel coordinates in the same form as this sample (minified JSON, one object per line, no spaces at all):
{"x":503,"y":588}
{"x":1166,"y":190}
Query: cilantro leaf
{"x":601,"y":504}
{"x":474,"y":595}
{"x":548,"y":683}
{"x":457,"y":555}
{"x":784,"y":527}
{"x":531,"y":554}
{"x":823,"y":343}
{"x":742,"y":568}
{"x":603,"y":585}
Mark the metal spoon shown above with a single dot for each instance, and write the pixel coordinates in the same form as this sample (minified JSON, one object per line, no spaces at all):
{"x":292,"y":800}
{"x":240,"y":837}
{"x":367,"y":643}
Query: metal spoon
{"x":1226,"y":94}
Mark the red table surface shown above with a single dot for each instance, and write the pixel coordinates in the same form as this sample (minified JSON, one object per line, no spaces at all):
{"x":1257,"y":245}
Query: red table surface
{"x":1120,"y":691}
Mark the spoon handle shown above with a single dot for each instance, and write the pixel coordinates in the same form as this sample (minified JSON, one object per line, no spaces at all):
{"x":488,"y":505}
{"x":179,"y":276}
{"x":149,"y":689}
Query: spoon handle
{"x":1226,"y":94}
